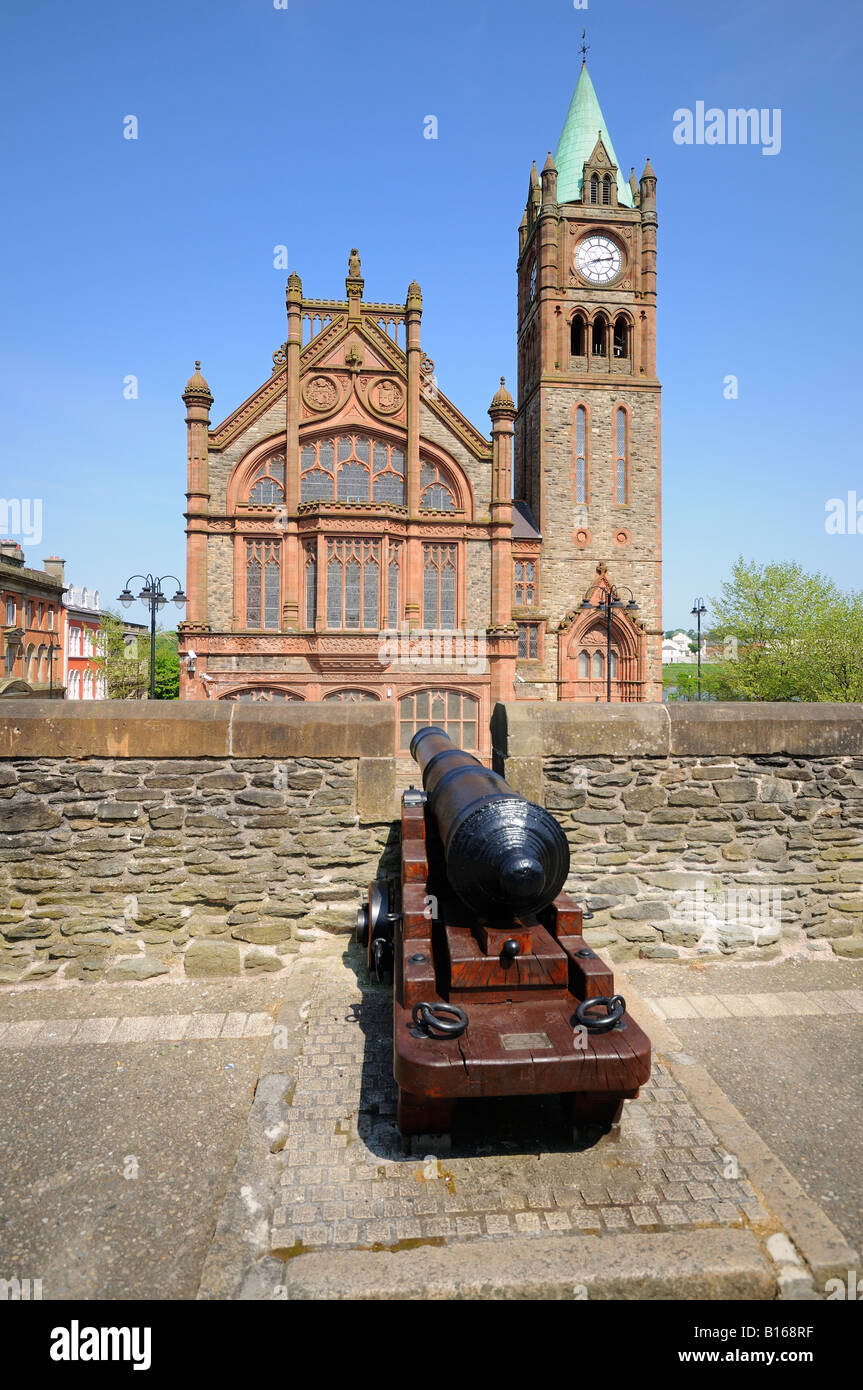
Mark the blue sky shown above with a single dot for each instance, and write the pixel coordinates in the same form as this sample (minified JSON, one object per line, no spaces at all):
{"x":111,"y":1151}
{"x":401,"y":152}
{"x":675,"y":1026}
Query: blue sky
{"x":304,"y":126}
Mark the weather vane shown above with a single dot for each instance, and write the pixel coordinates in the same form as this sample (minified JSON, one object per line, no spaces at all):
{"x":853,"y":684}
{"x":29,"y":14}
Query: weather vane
{"x":584,"y":45}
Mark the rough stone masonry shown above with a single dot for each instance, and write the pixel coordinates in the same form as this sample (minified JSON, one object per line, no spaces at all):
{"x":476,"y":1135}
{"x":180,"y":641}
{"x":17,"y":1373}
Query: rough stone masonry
{"x":138,"y":838}
{"x":210,"y":837}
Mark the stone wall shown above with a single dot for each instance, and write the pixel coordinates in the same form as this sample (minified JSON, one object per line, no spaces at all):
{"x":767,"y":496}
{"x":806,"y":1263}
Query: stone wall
{"x":702,"y":830}
{"x":212,"y":838}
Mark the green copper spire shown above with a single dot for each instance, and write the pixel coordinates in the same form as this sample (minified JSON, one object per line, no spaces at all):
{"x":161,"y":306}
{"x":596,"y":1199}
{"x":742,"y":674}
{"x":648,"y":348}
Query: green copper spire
{"x":577,"y":140}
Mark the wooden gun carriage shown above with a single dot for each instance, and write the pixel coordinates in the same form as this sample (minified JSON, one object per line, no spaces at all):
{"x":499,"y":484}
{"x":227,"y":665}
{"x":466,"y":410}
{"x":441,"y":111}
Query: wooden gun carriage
{"x":495,"y":991}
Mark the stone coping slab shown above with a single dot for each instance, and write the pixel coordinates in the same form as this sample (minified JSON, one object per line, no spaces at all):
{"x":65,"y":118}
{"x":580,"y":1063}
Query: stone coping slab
{"x":194,"y":729}
{"x":679,"y":729}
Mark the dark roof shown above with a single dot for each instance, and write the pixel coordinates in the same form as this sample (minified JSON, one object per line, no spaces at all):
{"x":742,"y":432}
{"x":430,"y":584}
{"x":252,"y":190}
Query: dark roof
{"x":16,"y":575}
{"x":523,"y":524}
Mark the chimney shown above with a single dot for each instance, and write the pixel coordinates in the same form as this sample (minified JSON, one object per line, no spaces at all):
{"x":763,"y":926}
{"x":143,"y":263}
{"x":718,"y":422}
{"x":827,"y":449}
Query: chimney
{"x":54,"y":566}
{"x":11,"y":552}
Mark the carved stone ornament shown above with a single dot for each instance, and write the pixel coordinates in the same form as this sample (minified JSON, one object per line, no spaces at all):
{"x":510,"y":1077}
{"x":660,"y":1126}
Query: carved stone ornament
{"x":387,"y":396}
{"x":320,"y":393}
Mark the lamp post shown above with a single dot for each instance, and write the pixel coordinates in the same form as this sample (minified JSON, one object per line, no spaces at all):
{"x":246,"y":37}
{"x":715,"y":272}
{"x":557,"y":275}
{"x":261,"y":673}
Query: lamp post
{"x":609,"y":601}
{"x":697,"y":610}
{"x":52,"y":648}
{"x":152,"y":594}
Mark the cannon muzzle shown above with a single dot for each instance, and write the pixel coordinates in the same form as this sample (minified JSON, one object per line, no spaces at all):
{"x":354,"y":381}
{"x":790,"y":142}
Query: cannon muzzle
{"x":502,"y":852}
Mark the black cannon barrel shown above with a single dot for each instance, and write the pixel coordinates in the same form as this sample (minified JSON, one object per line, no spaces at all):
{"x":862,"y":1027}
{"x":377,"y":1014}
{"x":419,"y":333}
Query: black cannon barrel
{"x":502,"y":852}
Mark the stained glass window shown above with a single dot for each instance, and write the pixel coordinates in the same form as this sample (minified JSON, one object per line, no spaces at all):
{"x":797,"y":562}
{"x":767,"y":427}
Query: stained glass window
{"x":268,"y":489}
{"x":436,"y":492}
{"x":352,"y":469}
{"x":311,"y":586}
{"x":353,"y":584}
{"x":393,"y":587}
{"x":439,"y":586}
{"x":262,"y":584}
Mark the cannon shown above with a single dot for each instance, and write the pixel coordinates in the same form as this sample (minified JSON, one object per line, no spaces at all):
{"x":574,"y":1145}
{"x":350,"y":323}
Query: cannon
{"x":495,"y":992}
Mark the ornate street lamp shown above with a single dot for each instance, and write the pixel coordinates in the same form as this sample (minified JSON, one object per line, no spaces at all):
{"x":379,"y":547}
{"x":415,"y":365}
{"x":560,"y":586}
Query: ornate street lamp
{"x":152,"y":594}
{"x":609,"y":602}
{"x":697,"y":610}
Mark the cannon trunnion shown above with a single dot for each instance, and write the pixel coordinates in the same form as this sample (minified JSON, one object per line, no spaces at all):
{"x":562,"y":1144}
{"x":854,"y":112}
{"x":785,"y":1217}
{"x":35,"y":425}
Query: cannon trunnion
{"x":495,"y":991}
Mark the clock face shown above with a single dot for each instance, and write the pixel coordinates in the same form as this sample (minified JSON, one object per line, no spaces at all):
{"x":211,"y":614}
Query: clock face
{"x":533,"y":280}
{"x":598,"y":259}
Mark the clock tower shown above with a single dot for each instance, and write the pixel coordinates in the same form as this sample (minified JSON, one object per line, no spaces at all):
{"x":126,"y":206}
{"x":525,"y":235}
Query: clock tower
{"x":587,"y":433}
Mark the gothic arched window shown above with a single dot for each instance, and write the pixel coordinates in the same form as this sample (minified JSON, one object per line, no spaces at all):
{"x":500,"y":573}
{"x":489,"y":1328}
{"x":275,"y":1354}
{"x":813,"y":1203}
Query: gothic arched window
{"x":353,"y":584}
{"x":257,"y":693}
{"x":349,"y":697}
{"x":436,"y":491}
{"x":352,"y":469}
{"x":599,"y":335}
{"x":454,"y":712}
{"x":606,"y":189}
{"x":311,"y":577}
{"x":393,"y":585}
{"x":580,"y":455}
{"x":268,"y":488}
{"x":621,"y":336}
{"x":262,"y":584}
{"x":594,"y":188}
{"x":583,"y":666}
{"x":576,"y":336}
{"x":439,"y":607}
{"x":621,"y":457}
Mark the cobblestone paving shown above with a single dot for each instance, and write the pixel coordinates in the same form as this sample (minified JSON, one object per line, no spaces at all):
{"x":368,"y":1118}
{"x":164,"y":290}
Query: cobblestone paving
{"x":350,"y":1180}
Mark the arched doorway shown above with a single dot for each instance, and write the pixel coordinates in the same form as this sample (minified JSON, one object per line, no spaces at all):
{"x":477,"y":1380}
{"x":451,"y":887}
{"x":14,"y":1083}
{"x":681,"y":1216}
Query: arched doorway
{"x":584,"y":660}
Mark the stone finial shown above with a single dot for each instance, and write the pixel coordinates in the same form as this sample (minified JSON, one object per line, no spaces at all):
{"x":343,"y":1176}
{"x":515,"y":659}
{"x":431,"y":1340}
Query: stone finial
{"x":502,"y":402}
{"x":549,"y":166}
{"x":294,"y":291}
{"x":197,"y":388}
{"x":354,"y":264}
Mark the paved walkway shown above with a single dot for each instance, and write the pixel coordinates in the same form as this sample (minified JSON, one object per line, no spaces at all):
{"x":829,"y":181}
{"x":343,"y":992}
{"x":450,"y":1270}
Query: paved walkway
{"x":816,"y":1003}
{"x":137,"y":1028}
{"x":784,"y":1041}
{"x":122,"y":1109}
{"x":348,"y":1180}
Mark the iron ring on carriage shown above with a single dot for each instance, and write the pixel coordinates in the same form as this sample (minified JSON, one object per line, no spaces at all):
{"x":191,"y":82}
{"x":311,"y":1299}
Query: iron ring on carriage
{"x":428,"y":1017}
{"x":616,"y":1006}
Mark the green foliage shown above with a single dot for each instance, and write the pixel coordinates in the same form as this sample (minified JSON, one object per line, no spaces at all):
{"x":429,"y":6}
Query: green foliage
{"x":167,"y":667}
{"x":681,"y":682}
{"x":800,"y":636}
{"x":124,"y":664}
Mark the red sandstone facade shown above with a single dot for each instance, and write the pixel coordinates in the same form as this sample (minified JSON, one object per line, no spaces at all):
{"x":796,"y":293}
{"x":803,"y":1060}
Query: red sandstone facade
{"x":352,"y":536}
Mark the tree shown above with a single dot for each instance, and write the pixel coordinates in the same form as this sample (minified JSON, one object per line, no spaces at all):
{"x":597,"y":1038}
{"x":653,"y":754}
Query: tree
{"x":167,"y":667}
{"x":125,"y":661}
{"x":715,"y":684}
{"x":799,"y":636}
{"x":122,"y":661}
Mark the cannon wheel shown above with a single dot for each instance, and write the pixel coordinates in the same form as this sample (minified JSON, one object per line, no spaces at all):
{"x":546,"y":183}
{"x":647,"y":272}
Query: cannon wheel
{"x":375,"y":931}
